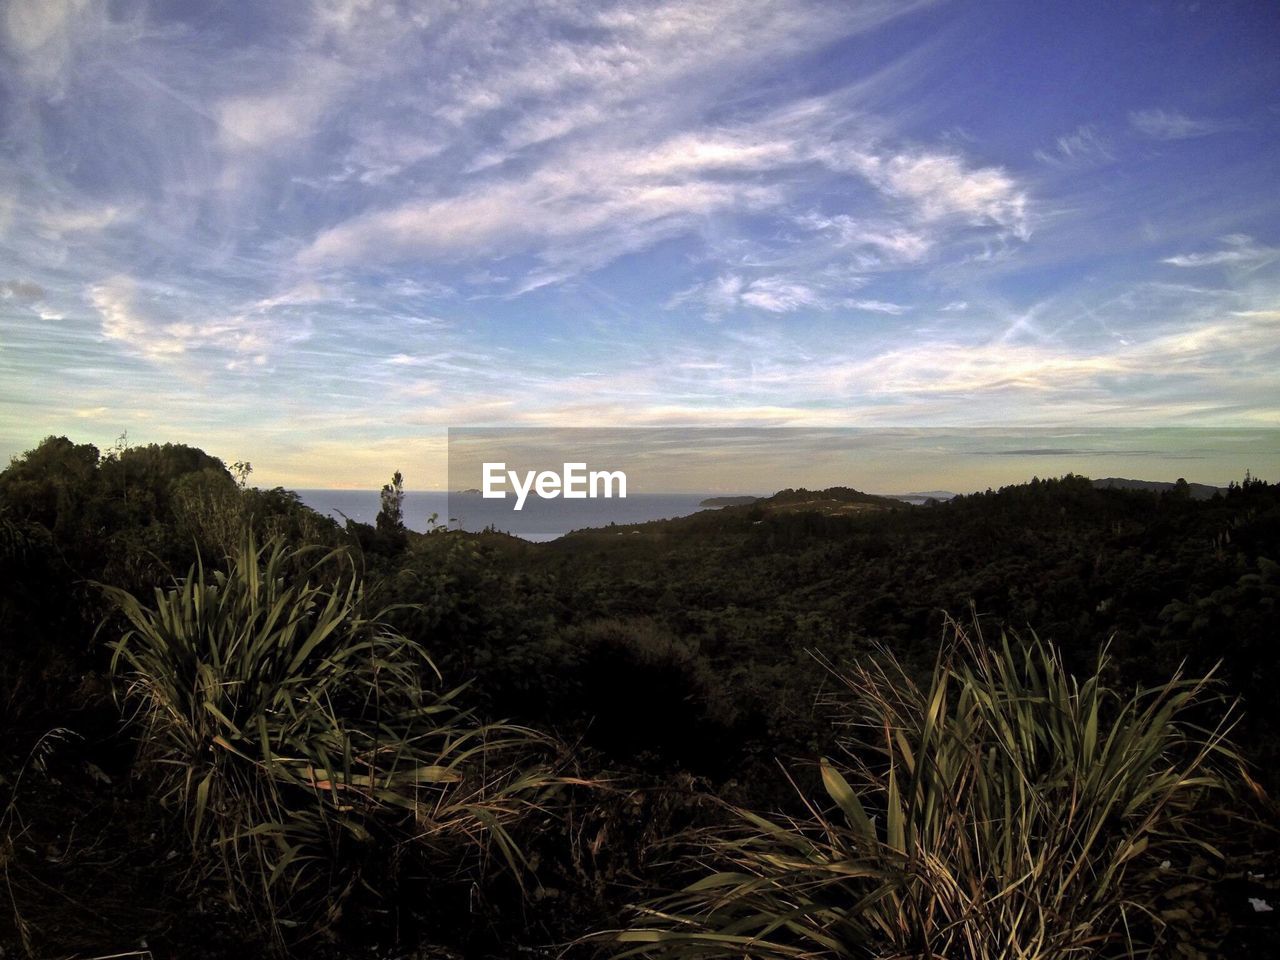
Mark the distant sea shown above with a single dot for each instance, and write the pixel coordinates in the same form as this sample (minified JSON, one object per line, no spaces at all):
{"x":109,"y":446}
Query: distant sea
{"x":540,"y":520}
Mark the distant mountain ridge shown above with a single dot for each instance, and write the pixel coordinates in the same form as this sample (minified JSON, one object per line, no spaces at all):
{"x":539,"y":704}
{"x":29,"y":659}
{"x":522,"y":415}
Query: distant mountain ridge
{"x":848,"y":500}
{"x":1199,"y":491}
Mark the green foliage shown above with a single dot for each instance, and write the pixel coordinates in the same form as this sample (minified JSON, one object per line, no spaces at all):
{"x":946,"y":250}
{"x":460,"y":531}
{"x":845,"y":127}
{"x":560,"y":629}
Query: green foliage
{"x":389,"y":536}
{"x":674,"y":656}
{"x":136,"y":514}
{"x":49,"y":484}
{"x":1166,"y":580}
{"x":1005,"y":810}
{"x":208,"y":506}
{"x":294,"y":731}
{"x":214,"y":512}
{"x":391,"y":512}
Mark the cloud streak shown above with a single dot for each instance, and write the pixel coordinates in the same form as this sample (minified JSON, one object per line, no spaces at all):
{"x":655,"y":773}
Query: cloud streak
{"x":1173,"y":125}
{"x":1238,"y":250}
{"x":1083,"y":148}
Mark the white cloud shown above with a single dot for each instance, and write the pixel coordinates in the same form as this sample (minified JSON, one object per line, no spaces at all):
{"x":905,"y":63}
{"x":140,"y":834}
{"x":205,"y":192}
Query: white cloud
{"x":631,"y":53}
{"x":1172,"y":125}
{"x":1083,"y":148}
{"x":257,"y":121}
{"x":116,"y":303}
{"x":586,"y":204}
{"x":574,"y":153}
{"x":943,"y":185}
{"x":878,"y":242}
{"x":539,"y":127}
{"x":1239,"y":250}
{"x":383,"y":152}
{"x":63,"y":219}
{"x":585,"y":209}
{"x":1165,"y":375}
{"x":703,"y":154}
{"x":723,"y":294}
{"x":932,"y":369}
{"x":151,"y":322}
{"x":876,"y":306}
{"x":1217,"y":354}
{"x":39,"y":33}
{"x":779,"y":295}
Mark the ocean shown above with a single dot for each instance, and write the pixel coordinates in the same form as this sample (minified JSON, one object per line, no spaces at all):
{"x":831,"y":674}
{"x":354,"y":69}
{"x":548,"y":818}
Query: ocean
{"x":540,"y":520}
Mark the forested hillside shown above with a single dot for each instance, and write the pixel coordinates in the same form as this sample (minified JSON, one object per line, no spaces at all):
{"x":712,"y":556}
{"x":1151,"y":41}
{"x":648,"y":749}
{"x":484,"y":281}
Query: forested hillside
{"x":232,"y":721}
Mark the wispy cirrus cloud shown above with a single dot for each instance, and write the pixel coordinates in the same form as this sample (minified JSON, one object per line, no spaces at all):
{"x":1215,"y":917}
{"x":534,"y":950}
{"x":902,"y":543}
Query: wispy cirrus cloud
{"x":1179,"y":370}
{"x":581,"y":212}
{"x":873,"y":243}
{"x":586,"y":136}
{"x":264,"y":120}
{"x":589,"y":159}
{"x":1174,"y":125}
{"x":1176,"y":374}
{"x":780,"y":294}
{"x":1083,"y":148}
{"x":594,"y":202}
{"x":1237,"y":250}
{"x":151,"y":322}
{"x":39,"y":36}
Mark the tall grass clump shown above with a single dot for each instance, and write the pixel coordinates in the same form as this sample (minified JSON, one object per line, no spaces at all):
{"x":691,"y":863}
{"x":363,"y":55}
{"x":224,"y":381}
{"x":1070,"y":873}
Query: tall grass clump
{"x":302,"y":740}
{"x":1006,"y":810}
{"x":14,"y":842}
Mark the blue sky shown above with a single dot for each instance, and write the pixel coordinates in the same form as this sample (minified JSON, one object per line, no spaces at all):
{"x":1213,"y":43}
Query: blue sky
{"x":314,"y":235}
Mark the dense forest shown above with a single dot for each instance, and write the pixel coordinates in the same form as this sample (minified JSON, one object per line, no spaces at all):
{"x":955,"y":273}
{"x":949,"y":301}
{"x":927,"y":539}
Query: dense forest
{"x":1037,"y":721}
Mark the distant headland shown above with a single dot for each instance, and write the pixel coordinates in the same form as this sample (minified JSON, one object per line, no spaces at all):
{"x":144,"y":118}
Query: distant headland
{"x":727,"y":501}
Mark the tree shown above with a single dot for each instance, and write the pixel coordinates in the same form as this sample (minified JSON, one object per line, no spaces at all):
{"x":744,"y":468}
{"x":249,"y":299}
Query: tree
{"x":50,"y":484}
{"x":390,"y":523}
{"x":391,"y":516}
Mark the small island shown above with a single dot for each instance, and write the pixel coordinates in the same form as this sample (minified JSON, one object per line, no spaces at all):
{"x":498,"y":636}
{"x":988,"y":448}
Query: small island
{"x":727,"y":501}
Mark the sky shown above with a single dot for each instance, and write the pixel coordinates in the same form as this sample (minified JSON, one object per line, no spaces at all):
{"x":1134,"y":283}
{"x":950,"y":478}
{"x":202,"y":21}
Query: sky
{"x":313,"y":236}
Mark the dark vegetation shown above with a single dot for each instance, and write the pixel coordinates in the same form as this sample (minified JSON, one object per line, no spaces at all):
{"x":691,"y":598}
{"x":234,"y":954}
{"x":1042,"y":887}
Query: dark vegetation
{"x":232,"y":724}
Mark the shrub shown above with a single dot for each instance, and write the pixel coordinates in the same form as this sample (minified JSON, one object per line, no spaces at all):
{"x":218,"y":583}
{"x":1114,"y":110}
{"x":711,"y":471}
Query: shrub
{"x":648,"y":697}
{"x":294,"y":731}
{"x":1007,"y":810}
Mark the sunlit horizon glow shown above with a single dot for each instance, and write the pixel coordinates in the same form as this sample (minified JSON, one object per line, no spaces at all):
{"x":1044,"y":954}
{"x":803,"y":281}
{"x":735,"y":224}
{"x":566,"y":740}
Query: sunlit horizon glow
{"x":313,"y":236}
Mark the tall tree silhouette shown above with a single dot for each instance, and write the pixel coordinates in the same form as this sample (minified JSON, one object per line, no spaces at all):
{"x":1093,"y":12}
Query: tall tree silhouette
{"x":390,"y":522}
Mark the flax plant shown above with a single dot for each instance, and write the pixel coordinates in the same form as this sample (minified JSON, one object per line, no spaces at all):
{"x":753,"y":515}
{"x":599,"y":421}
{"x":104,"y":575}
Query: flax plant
{"x":1008,"y":810}
{"x":301,"y":739}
